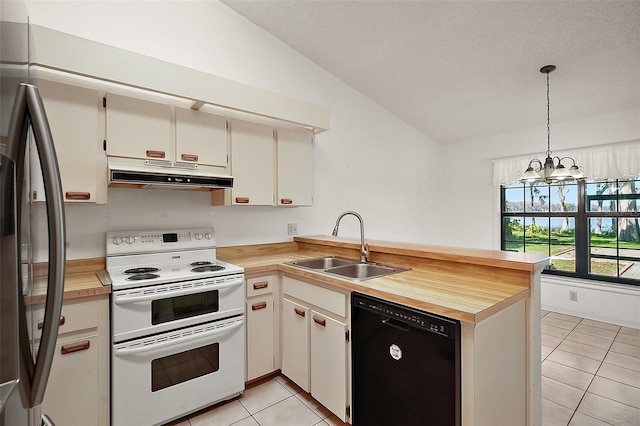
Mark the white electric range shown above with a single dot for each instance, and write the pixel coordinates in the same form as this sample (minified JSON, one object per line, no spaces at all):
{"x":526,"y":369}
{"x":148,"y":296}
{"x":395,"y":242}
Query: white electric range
{"x":177,"y":321}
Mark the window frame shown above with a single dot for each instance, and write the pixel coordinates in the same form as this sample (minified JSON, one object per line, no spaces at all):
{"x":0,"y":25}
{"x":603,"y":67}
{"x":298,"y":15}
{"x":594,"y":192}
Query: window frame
{"x":582,"y":217}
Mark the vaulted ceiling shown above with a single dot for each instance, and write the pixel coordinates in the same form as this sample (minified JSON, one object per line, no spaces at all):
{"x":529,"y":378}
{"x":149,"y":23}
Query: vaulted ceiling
{"x":462,"y":70}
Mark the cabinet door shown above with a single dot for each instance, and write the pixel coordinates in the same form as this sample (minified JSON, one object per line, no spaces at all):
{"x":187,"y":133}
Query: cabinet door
{"x":252,"y":163}
{"x":74,"y":380}
{"x":295,"y":343}
{"x":73,"y":118}
{"x":296,"y":168}
{"x":260,"y":347}
{"x":138,"y":129}
{"x":201,"y":138}
{"x":329,"y":363}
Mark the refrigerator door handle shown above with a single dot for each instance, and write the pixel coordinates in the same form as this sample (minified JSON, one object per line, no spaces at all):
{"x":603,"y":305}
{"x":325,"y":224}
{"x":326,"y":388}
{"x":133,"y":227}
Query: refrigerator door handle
{"x":46,"y":421}
{"x":28,"y":108}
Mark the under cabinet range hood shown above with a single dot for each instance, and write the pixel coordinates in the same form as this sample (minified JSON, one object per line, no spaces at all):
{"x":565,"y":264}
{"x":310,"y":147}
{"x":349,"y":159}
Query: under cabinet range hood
{"x":149,"y":174}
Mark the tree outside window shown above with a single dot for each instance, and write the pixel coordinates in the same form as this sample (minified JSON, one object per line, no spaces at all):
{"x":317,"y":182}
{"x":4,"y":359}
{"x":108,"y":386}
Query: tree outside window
{"x":589,"y":229}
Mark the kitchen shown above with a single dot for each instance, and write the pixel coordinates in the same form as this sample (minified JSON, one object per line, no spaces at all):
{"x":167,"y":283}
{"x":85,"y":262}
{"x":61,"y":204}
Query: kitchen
{"x":343,"y":182}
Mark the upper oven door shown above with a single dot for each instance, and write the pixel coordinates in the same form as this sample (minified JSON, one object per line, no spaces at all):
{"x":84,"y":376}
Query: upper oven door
{"x":143,"y":311}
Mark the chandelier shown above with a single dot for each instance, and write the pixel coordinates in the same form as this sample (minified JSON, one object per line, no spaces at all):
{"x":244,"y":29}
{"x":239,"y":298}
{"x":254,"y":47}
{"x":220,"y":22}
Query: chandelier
{"x":552,"y":170}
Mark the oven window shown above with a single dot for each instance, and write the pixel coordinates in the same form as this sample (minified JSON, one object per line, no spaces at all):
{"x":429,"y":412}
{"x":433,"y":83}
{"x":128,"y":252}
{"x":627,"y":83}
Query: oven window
{"x":190,"y":305}
{"x":184,"y":366}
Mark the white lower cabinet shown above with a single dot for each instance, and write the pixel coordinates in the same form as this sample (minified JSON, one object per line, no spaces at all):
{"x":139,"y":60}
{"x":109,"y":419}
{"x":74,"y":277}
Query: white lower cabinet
{"x":260,"y":360}
{"x":262,"y":326}
{"x":74,"y":377}
{"x":80,"y":368}
{"x":295,"y":343}
{"x":315,"y":346}
{"x":329,"y":362}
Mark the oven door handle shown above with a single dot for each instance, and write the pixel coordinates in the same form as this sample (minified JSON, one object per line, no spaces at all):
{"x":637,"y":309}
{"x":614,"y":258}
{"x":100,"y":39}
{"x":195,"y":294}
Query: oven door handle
{"x":177,"y":342}
{"x":123,"y":300}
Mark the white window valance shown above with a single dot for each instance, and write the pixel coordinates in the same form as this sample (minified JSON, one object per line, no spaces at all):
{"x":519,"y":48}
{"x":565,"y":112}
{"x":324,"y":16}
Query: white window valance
{"x":612,"y":161}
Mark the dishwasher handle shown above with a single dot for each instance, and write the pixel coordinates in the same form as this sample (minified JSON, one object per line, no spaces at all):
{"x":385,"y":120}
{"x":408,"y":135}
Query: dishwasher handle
{"x":395,"y":323}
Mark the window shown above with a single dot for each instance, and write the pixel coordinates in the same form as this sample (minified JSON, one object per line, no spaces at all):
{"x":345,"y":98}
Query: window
{"x":590,"y":229}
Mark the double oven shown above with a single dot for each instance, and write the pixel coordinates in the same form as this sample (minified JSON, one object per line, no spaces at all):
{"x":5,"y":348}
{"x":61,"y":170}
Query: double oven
{"x":177,"y":325}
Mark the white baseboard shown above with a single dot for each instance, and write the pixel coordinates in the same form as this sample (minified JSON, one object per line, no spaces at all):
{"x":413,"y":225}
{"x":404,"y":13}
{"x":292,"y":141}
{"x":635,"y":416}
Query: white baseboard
{"x":596,"y":300}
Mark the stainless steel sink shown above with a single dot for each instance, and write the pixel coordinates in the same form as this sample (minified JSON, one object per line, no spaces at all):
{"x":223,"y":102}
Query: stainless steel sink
{"x":348,"y":268}
{"x":322,"y":262}
{"x":365,"y":271}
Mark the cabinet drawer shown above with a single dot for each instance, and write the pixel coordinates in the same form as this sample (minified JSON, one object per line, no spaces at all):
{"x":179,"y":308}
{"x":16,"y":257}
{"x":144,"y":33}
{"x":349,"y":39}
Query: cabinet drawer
{"x":75,"y":316}
{"x":321,"y":297}
{"x":259,"y":285}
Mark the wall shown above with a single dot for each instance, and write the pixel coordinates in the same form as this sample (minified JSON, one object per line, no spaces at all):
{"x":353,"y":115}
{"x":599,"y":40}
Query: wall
{"x":369,"y":161}
{"x":473,"y":209}
{"x":481,"y":229}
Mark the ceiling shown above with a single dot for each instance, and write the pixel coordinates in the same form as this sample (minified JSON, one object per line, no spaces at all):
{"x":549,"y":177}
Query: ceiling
{"x":463,"y":70}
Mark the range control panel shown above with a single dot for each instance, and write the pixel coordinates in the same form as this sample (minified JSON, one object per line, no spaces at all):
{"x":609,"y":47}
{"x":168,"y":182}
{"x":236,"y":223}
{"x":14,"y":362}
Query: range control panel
{"x":404,"y":316}
{"x":131,"y":242}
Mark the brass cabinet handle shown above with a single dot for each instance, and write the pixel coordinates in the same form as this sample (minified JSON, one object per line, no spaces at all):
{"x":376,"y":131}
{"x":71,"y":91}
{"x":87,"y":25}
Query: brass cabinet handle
{"x":189,"y":157}
{"x":258,"y":306}
{"x":41,"y":322}
{"x":75,"y":347}
{"x":77,"y":195}
{"x":260,"y":285}
{"x":299,"y":311}
{"x":286,"y":201}
{"x":155,"y":154}
{"x":319,"y":320}
{"x":242,"y":200}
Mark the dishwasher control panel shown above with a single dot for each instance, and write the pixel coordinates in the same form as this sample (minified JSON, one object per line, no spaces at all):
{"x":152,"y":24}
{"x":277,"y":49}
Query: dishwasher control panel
{"x":404,"y":316}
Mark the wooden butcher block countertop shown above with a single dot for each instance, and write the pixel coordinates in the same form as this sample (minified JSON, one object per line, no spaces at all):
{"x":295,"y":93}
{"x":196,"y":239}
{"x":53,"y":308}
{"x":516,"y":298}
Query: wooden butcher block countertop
{"x":80,"y":280}
{"x":465,"y":284}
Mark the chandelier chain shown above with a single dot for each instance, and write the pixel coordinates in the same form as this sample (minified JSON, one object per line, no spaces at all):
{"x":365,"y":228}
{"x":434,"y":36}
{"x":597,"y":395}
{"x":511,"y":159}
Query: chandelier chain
{"x":548,"y":118}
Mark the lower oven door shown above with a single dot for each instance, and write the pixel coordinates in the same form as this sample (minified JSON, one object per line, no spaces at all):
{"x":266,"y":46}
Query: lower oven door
{"x":155,"y":309}
{"x":164,"y":377}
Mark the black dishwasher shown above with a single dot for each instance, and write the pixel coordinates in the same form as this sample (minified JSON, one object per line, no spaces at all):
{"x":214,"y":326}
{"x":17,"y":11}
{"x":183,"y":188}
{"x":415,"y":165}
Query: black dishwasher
{"x":405,"y":365}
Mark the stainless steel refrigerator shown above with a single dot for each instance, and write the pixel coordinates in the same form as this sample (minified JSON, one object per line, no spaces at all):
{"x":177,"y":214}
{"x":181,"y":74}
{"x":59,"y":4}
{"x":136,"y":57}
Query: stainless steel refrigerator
{"x":26,"y":146}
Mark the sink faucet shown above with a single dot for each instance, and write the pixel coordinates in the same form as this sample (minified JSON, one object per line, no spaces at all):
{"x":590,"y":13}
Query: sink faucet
{"x":364,"y":247}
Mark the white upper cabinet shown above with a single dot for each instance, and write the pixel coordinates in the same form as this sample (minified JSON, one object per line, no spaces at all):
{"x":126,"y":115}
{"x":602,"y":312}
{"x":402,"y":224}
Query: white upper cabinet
{"x":138,"y":129}
{"x":78,"y":131}
{"x":201,"y":138}
{"x":295,"y":167}
{"x":252,"y":163}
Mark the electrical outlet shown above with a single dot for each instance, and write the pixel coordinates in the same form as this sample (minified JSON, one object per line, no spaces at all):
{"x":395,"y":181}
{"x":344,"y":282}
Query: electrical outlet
{"x":573,"y":296}
{"x":292,"y":229}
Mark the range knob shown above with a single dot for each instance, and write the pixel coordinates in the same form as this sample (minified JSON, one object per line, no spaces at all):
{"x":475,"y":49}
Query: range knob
{"x":208,"y":235}
{"x":117,"y":240}
{"x":130,"y":240}
{"x":198,"y":236}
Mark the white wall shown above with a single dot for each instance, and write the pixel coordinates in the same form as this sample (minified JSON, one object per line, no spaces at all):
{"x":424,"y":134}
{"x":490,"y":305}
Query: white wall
{"x":473,"y":213}
{"x":369,"y":161}
{"x":473,"y":203}
{"x":601,"y":301}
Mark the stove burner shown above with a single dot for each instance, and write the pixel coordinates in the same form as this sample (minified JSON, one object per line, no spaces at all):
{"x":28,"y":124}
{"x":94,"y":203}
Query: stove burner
{"x":139,"y":277}
{"x":208,"y":268}
{"x":201,"y":263}
{"x":143,"y":270}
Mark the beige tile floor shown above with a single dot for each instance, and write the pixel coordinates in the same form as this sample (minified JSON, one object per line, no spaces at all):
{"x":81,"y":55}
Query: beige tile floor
{"x":590,"y":376}
{"x":590,"y":372}
{"x":274,"y":402}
